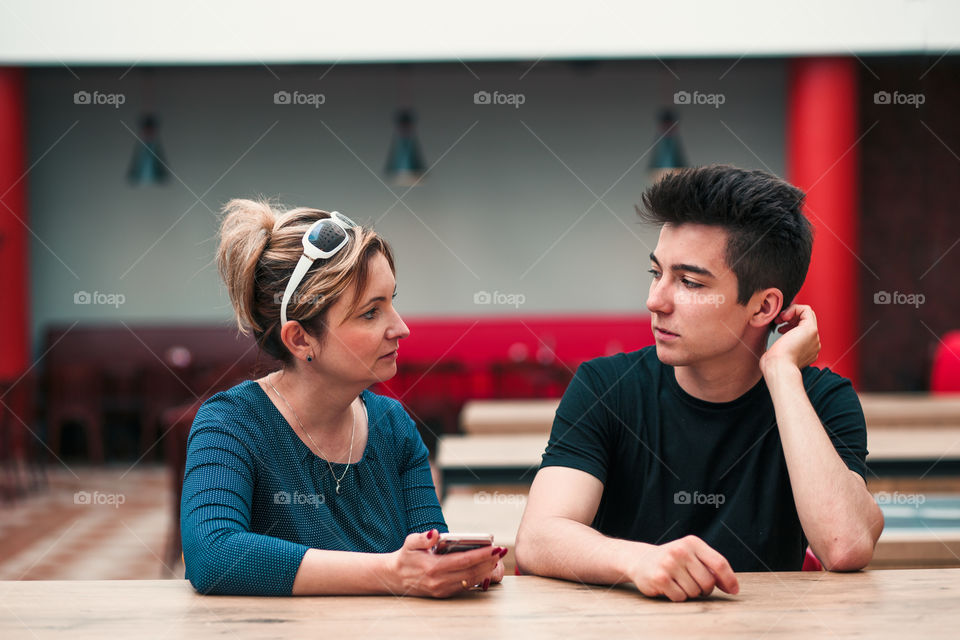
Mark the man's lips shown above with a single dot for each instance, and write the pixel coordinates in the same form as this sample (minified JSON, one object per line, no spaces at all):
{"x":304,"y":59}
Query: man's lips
{"x":391,"y":354}
{"x":664,"y":331}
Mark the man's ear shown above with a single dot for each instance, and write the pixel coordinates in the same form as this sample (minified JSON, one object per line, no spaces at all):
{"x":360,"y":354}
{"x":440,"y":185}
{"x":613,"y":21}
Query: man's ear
{"x":767,"y":305}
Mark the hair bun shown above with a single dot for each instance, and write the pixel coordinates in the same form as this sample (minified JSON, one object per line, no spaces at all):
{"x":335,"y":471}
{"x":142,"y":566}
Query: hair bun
{"x":245,"y":232}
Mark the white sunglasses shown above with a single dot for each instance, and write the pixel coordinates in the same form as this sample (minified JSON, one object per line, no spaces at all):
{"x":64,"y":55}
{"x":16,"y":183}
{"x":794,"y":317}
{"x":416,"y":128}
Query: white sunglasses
{"x":323,"y":240}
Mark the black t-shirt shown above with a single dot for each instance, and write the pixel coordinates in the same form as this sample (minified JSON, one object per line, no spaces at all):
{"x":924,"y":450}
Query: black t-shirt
{"x":674,"y":465}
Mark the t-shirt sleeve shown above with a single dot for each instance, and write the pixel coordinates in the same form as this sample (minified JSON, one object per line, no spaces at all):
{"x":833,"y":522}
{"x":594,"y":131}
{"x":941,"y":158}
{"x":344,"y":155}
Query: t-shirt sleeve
{"x":416,"y":482}
{"x":580,"y":437}
{"x":221,"y":554}
{"x":839,"y":410}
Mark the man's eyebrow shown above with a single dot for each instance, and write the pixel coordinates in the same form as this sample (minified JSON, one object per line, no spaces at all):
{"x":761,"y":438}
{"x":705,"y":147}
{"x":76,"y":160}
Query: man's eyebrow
{"x":692,"y":268}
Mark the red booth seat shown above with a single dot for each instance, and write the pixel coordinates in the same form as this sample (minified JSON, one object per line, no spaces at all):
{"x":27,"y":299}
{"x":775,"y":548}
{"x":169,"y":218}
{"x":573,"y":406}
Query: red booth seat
{"x":447,"y":361}
{"x":945,"y":377}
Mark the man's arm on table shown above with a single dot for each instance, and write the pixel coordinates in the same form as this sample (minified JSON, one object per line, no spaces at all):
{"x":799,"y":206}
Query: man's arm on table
{"x":556,"y":540}
{"x":839,"y":516}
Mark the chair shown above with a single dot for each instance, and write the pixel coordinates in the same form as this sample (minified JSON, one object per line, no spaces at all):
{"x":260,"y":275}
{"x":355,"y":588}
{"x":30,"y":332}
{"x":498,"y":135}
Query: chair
{"x":811,"y":562}
{"x":20,"y":458}
{"x":529,"y":379}
{"x":176,"y":428}
{"x":945,"y":375}
{"x":74,"y":394}
{"x":161,"y":389}
{"x":433,"y":394}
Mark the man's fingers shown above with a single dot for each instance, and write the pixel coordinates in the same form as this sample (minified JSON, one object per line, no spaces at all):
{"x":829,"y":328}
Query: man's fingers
{"x":788,"y":313}
{"x":690,"y":587}
{"x":678,"y":593}
{"x":705,"y":579}
{"x":719,"y":567}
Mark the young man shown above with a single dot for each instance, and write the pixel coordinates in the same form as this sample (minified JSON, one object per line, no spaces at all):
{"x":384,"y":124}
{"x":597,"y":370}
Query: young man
{"x":673,"y":466}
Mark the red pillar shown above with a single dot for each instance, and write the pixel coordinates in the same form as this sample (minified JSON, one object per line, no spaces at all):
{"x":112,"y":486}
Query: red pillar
{"x":14,"y":279}
{"x":822,"y":159}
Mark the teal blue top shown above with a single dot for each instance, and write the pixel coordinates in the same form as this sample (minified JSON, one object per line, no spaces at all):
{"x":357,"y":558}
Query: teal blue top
{"x":255,"y":497}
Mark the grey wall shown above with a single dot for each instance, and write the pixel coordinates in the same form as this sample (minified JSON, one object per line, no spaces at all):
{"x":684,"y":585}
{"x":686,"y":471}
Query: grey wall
{"x":503,"y":209}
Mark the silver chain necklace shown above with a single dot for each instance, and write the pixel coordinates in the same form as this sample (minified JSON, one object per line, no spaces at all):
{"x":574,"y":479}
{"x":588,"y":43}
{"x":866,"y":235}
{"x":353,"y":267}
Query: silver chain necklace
{"x":307,"y":433}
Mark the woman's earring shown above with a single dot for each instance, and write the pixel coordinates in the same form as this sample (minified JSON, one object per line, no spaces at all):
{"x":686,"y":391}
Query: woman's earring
{"x":309,"y":358}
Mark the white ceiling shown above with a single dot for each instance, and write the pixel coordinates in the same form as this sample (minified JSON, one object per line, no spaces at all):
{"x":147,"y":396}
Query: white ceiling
{"x":250,"y":32}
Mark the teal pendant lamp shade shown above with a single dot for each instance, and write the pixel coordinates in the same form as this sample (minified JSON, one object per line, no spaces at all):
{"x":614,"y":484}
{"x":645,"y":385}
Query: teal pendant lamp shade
{"x":405,"y":166}
{"x":148,"y":165}
{"x":668,"y":153}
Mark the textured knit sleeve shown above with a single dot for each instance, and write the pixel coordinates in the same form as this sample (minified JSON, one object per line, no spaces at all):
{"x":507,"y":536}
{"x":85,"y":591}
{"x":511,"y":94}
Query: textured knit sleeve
{"x":416,"y":482}
{"x":221,"y":554}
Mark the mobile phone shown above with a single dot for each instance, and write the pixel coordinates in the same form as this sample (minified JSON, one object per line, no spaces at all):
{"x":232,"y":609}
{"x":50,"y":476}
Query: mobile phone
{"x":453,"y":542}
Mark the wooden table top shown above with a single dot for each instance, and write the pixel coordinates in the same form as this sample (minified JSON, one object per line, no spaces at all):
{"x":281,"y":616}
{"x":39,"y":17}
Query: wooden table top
{"x":873,"y":604}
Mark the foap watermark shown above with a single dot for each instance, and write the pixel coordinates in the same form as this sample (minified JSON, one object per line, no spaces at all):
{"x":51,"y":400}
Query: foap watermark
{"x":497,"y":297}
{"x":914,"y":500}
{"x":97,"y":98}
{"x":299,"y":298}
{"x":696,"y":98}
{"x":912,"y":299}
{"x":298,"y":98}
{"x":485,"y":497}
{"x":911,"y":99}
{"x":697,"y":498}
{"x":99,"y":297}
{"x":512,"y":99}
{"x":98,"y":498}
{"x":285,"y":497}
{"x":693,"y":297}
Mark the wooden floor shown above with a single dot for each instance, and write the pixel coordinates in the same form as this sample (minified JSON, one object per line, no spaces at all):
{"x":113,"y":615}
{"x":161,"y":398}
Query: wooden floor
{"x":102,"y":523}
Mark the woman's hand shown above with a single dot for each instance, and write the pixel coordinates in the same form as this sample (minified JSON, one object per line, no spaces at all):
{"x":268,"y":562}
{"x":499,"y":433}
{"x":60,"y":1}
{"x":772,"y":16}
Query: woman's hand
{"x":496,"y":576}
{"x":413,"y":570}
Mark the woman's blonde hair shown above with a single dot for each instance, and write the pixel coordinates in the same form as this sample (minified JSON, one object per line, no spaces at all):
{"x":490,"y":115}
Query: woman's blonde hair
{"x":260,"y":246}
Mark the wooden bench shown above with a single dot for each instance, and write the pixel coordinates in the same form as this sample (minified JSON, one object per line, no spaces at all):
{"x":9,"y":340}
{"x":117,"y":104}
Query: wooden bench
{"x":879,"y":410}
{"x":481,"y":417}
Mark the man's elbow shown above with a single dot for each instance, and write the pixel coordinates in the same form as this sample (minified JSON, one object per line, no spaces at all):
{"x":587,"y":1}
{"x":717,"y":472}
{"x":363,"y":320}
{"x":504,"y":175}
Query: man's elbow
{"x":847,"y":557}
{"x":855,"y":551}
{"x":525,"y":549}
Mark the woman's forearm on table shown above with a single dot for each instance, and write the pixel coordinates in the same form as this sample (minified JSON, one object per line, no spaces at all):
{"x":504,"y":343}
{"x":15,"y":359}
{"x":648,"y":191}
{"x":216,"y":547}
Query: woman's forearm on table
{"x":325,"y":572}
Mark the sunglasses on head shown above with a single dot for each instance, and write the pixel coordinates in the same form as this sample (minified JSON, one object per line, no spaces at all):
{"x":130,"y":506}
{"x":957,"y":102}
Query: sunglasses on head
{"x":323,"y":240}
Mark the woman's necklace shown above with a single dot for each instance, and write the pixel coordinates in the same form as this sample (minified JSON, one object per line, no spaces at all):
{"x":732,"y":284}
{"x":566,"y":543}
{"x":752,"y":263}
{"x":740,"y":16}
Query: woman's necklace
{"x":307,"y":433}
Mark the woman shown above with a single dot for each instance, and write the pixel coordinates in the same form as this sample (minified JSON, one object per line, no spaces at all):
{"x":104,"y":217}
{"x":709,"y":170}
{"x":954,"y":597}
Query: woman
{"x":303,"y":482}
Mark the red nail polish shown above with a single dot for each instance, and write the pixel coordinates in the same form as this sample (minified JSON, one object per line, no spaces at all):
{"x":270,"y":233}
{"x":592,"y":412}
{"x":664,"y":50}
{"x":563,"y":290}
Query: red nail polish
{"x":503,"y":552}
{"x":495,"y":551}
{"x":486,"y":584}
{"x":430,"y":534}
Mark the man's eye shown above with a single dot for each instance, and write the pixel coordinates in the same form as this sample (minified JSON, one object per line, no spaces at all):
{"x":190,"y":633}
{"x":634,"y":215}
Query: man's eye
{"x":654,"y":273}
{"x":690,"y":284}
